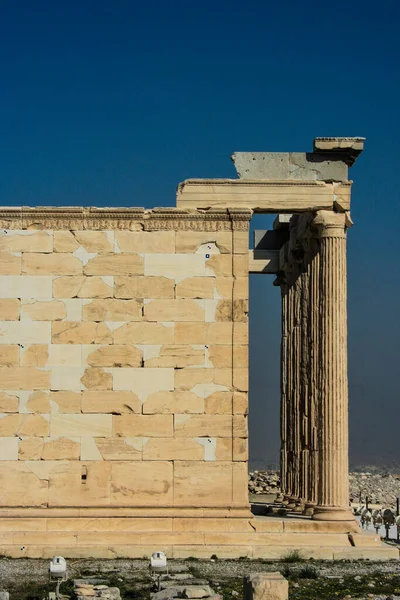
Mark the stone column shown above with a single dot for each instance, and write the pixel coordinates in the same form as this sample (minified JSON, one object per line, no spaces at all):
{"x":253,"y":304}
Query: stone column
{"x":284,"y":381}
{"x":333,"y":485}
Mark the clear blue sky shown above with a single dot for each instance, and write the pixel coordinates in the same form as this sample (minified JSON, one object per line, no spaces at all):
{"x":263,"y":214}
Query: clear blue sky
{"x":115,"y":102}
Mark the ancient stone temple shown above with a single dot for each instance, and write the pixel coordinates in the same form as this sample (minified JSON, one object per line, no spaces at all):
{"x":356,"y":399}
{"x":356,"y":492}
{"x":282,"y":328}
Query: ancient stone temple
{"x":124,"y":368}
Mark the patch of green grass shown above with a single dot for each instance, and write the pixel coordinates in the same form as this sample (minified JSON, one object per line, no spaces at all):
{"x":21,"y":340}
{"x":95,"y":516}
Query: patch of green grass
{"x":293,"y":556}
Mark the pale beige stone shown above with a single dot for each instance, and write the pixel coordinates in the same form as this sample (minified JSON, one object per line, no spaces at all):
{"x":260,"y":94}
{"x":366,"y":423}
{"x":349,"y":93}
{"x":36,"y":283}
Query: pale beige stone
{"x":35,"y":310}
{"x":67,"y":402}
{"x":89,"y":449}
{"x":10,"y":264}
{"x":172,"y":449}
{"x":95,"y":241}
{"x":240,"y":266}
{"x":186,"y":379}
{"x":110,"y":402}
{"x":65,"y":241}
{"x":136,"y":484}
{"x":21,"y":487}
{"x":240,"y":479}
{"x":223,"y":377}
{"x":191,"y":333}
{"x":203,"y":425}
{"x":240,"y":403}
{"x":219,"y":333}
{"x":175,"y":266}
{"x":80,"y":333}
{"x":240,"y":429}
{"x":142,"y":425}
{"x":9,"y":355}
{"x":111,"y":356}
{"x":241,"y":288}
{"x":75,"y":425}
{"x":143,"y":287}
{"x":146,"y":242}
{"x":26,"y":286}
{"x":80,"y":286}
{"x":112,"y":310}
{"x":50,"y":264}
{"x":23,"y":425}
{"x":240,"y":310}
{"x":190,"y":241}
{"x":241,"y":333}
{"x":202,"y":483}
{"x":177,"y":356}
{"x":57,"y":448}
{"x":9,"y":309}
{"x":240,"y":449}
{"x":241,"y":242}
{"x":38,"y":402}
{"x":219,"y":265}
{"x":260,"y":586}
{"x":115,"y":264}
{"x":173,"y":310}
{"x":66,"y":482}
{"x":24,"y":378}
{"x":177,"y":401}
{"x":143,"y":382}
{"x":195,"y":287}
{"x":8,"y":402}
{"x":120,"y":449}
{"x":223,"y":449}
{"x":218,"y":403}
{"x":144,"y":333}
{"x":240,"y":357}
{"x":17,"y":332}
{"x":224,"y":287}
{"x":26,"y":241}
{"x":220,"y":356}
{"x":35,"y":355}
{"x":68,"y":355}
{"x":67,"y":378}
{"x":8,"y":448}
{"x":95,"y":378}
{"x":241,"y":379}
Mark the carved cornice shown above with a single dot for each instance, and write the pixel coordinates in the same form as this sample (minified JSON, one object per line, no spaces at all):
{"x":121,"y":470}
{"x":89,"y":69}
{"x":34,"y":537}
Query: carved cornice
{"x":78,"y":218}
{"x":258,"y":183}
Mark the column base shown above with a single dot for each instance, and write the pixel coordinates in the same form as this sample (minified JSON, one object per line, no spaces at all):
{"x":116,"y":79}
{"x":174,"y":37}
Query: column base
{"x":332,"y":513}
{"x":309,"y":509}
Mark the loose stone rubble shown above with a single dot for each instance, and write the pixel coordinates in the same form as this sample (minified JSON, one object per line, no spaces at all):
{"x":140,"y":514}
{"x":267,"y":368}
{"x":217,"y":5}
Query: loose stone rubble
{"x":89,"y":590}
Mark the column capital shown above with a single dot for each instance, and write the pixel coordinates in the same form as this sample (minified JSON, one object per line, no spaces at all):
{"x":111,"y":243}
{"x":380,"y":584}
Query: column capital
{"x":331,"y":224}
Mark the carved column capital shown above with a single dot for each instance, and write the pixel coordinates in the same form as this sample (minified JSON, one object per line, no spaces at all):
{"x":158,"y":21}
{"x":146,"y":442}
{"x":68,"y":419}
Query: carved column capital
{"x":331,"y":224}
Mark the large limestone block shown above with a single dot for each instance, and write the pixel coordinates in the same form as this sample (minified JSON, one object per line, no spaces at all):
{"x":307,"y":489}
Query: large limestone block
{"x":67,"y":402}
{"x":178,"y":401}
{"x":80,"y":425}
{"x":115,"y":264}
{"x":68,"y":355}
{"x":110,"y":402}
{"x":10,"y":264}
{"x":240,"y":477}
{"x":67,"y":379}
{"x":143,"y":382}
{"x":191,"y":333}
{"x":219,"y":265}
{"x":241,"y":288}
{"x":202,"y":483}
{"x":20,"y":486}
{"x":111,"y":356}
{"x":203,"y":382}
{"x":146,"y":242}
{"x":196,"y":287}
{"x":82,"y":484}
{"x":240,"y":449}
{"x":241,"y":379}
{"x":50,"y":264}
{"x":240,"y":403}
{"x":57,"y":448}
{"x":240,"y":357}
{"x":174,"y":310}
{"x":24,"y":378}
{"x":65,"y":241}
{"x":241,"y":333}
{"x":35,"y":355}
{"x":26,"y":241}
{"x":144,"y":333}
{"x":35,"y":402}
{"x":191,"y":241}
{"x":135,"y":484}
{"x":9,"y":355}
{"x":8,"y":402}
{"x":176,"y":356}
{"x":36,"y":310}
{"x":240,"y":426}
{"x":241,"y":242}
{"x":142,"y":425}
{"x":219,"y":333}
{"x":220,"y":356}
{"x":80,"y":286}
{"x":218,"y":403}
{"x":119,"y":449}
{"x":110,"y":309}
{"x":265,"y":586}
{"x":240,"y":266}
{"x":9,"y":309}
{"x":8,"y":448}
{"x":210,"y":525}
{"x":95,"y":241}
{"x":203,"y":425}
{"x":16,"y":332}
{"x":172,"y":449}
{"x":26,"y":286}
{"x":95,"y":378}
{"x":175,"y":266}
{"x":143,"y":287}
{"x":24,"y":425}
{"x":80,"y":333}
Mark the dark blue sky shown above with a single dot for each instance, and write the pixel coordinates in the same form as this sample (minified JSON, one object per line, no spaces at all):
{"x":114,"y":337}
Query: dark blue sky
{"x":115,"y":102}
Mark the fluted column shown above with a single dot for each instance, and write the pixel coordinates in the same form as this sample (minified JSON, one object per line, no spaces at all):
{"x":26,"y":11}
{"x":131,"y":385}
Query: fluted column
{"x":333,"y":484}
{"x":284,"y":382}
